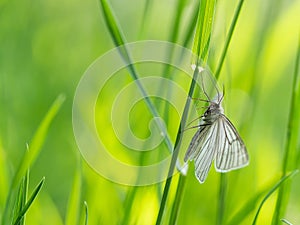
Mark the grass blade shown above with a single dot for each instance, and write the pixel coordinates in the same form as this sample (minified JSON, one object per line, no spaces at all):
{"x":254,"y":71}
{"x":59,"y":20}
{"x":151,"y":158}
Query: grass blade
{"x":222,"y":187}
{"x":30,"y":201}
{"x":199,"y":38}
{"x":282,"y":180}
{"x":221,"y":199}
{"x":289,"y":161}
{"x":176,"y":149}
{"x":30,"y":156}
{"x":119,"y":40}
{"x":74,"y":200}
{"x":203,"y":29}
{"x":192,"y":24}
{"x":21,"y":198}
{"x":286,"y":221}
{"x":178,"y":199}
{"x":86,"y":213}
{"x":228,"y":39}
{"x":38,"y":140}
{"x":145,"y":19}
{"x":3,"y":178}
{"x":249,"y":206}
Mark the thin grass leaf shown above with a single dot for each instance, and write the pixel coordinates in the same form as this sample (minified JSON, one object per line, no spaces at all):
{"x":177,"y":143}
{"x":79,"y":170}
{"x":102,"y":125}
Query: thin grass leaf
{"x":145,"y":19}
{"x":119,"y":41}
{"x":173,"y":37}
{"x":21,"y":198}
{"x":30,"y":201}
{"x":221,"y":199}
{"x":30,"y":156}
{"x":38,"y":140}
{"x":203,"y":30}
{"x":74,"y":200}
{"x":222,"y":186}
{"x":228,"y":38}
{"x":176,"y":148}
{"x":286,"y":221}
{"x":178,"y":199}
{"x":198,"y":39}
{"x":192,"y":24}
{"x":249,"y":206}
{"x":84,"y":214}
{"x":282,"y":180}
{"x":3,"y":178}
{"x":290,"y":153}
{"x":86,"y":218}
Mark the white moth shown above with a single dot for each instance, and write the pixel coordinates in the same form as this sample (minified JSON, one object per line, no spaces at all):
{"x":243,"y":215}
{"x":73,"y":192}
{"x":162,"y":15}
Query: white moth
{"x":218,"y":140}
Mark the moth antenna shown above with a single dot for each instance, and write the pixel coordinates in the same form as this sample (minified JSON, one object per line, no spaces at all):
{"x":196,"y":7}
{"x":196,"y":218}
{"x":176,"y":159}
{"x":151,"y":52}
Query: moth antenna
{"x":200,"y":99}
{"x":194,"y":121}
{"x":203,"y":89}
{"x":222,"y":94}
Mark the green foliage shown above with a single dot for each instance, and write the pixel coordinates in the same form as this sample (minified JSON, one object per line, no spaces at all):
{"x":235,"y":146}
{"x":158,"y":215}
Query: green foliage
{"x":21,"y":176}
{"x":251,"y":47}
{"x":23,"y":208}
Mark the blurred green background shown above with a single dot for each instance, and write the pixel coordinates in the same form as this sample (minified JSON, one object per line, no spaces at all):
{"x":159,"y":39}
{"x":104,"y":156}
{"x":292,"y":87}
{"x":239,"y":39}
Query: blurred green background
{"x":45,"y":47}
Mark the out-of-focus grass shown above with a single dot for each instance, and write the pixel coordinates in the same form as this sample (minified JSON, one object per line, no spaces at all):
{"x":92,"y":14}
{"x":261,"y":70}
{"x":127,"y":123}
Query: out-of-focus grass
{"x":45,"y":48}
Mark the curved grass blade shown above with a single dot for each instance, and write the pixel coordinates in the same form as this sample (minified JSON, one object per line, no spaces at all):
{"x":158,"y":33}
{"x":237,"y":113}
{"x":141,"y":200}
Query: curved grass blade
{"x":286,"y":221}
{"x":249,"y":206}
{"x":86,"y":213}
{"x":30,"y":156}
{"x":38,"y":140}
{"x":199,"y":38}
{"x":145,"y":19}
{"x":228,"y":39}
{"x":29,"y":203}
{"x":221,"y":199}
{"x":289,"y":160}
{"x":222,"y":187}
{"x":203,"y":30}
{"x":4,"y":183}
{"x":176,"y":148}
{"x":281,"y":181}
{"x":119,"y":41}
{"x":178,"y":199}
{"x":21,"y":198}
{"x":74,"y":200}
{"x":182,"y":177}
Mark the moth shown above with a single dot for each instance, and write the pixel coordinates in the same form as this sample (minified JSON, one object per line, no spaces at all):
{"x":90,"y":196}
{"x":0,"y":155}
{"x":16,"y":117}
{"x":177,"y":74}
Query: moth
{"x":216,"y":140}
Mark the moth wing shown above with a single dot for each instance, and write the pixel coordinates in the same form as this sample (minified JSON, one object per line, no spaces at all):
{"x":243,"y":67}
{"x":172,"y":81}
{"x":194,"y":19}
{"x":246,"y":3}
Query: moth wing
{"x":202,"y":150}
{"x":231,"y":151}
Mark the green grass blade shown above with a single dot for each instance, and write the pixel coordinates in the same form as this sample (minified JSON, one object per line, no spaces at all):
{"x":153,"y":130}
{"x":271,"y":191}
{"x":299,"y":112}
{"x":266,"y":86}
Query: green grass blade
{"x":228,"y":38}
{"x":221,"y":199}
{"x":198,"y":40}
{"x":289,"y":160}
{"x":29,"y":203}
{"x":282,"y":180}
{"x":74,"y":200}
{"x":86,"y":213}
{"x":222,"y":192}
{"x":249,"y":206}
{"x":119,"y":40}
{"x":203,"y":29}
{"x":178,"y":199}
{"x":191,"y":26}
{"x":176,"y":149}
{"x":30,"y":156}
{"x":21,"y":198}
{"x":4,"y":183}
{"x":145,"y":19}
{"x":38,"y":140}
{"x":286,"y":221}
{"x":173,"y":37}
